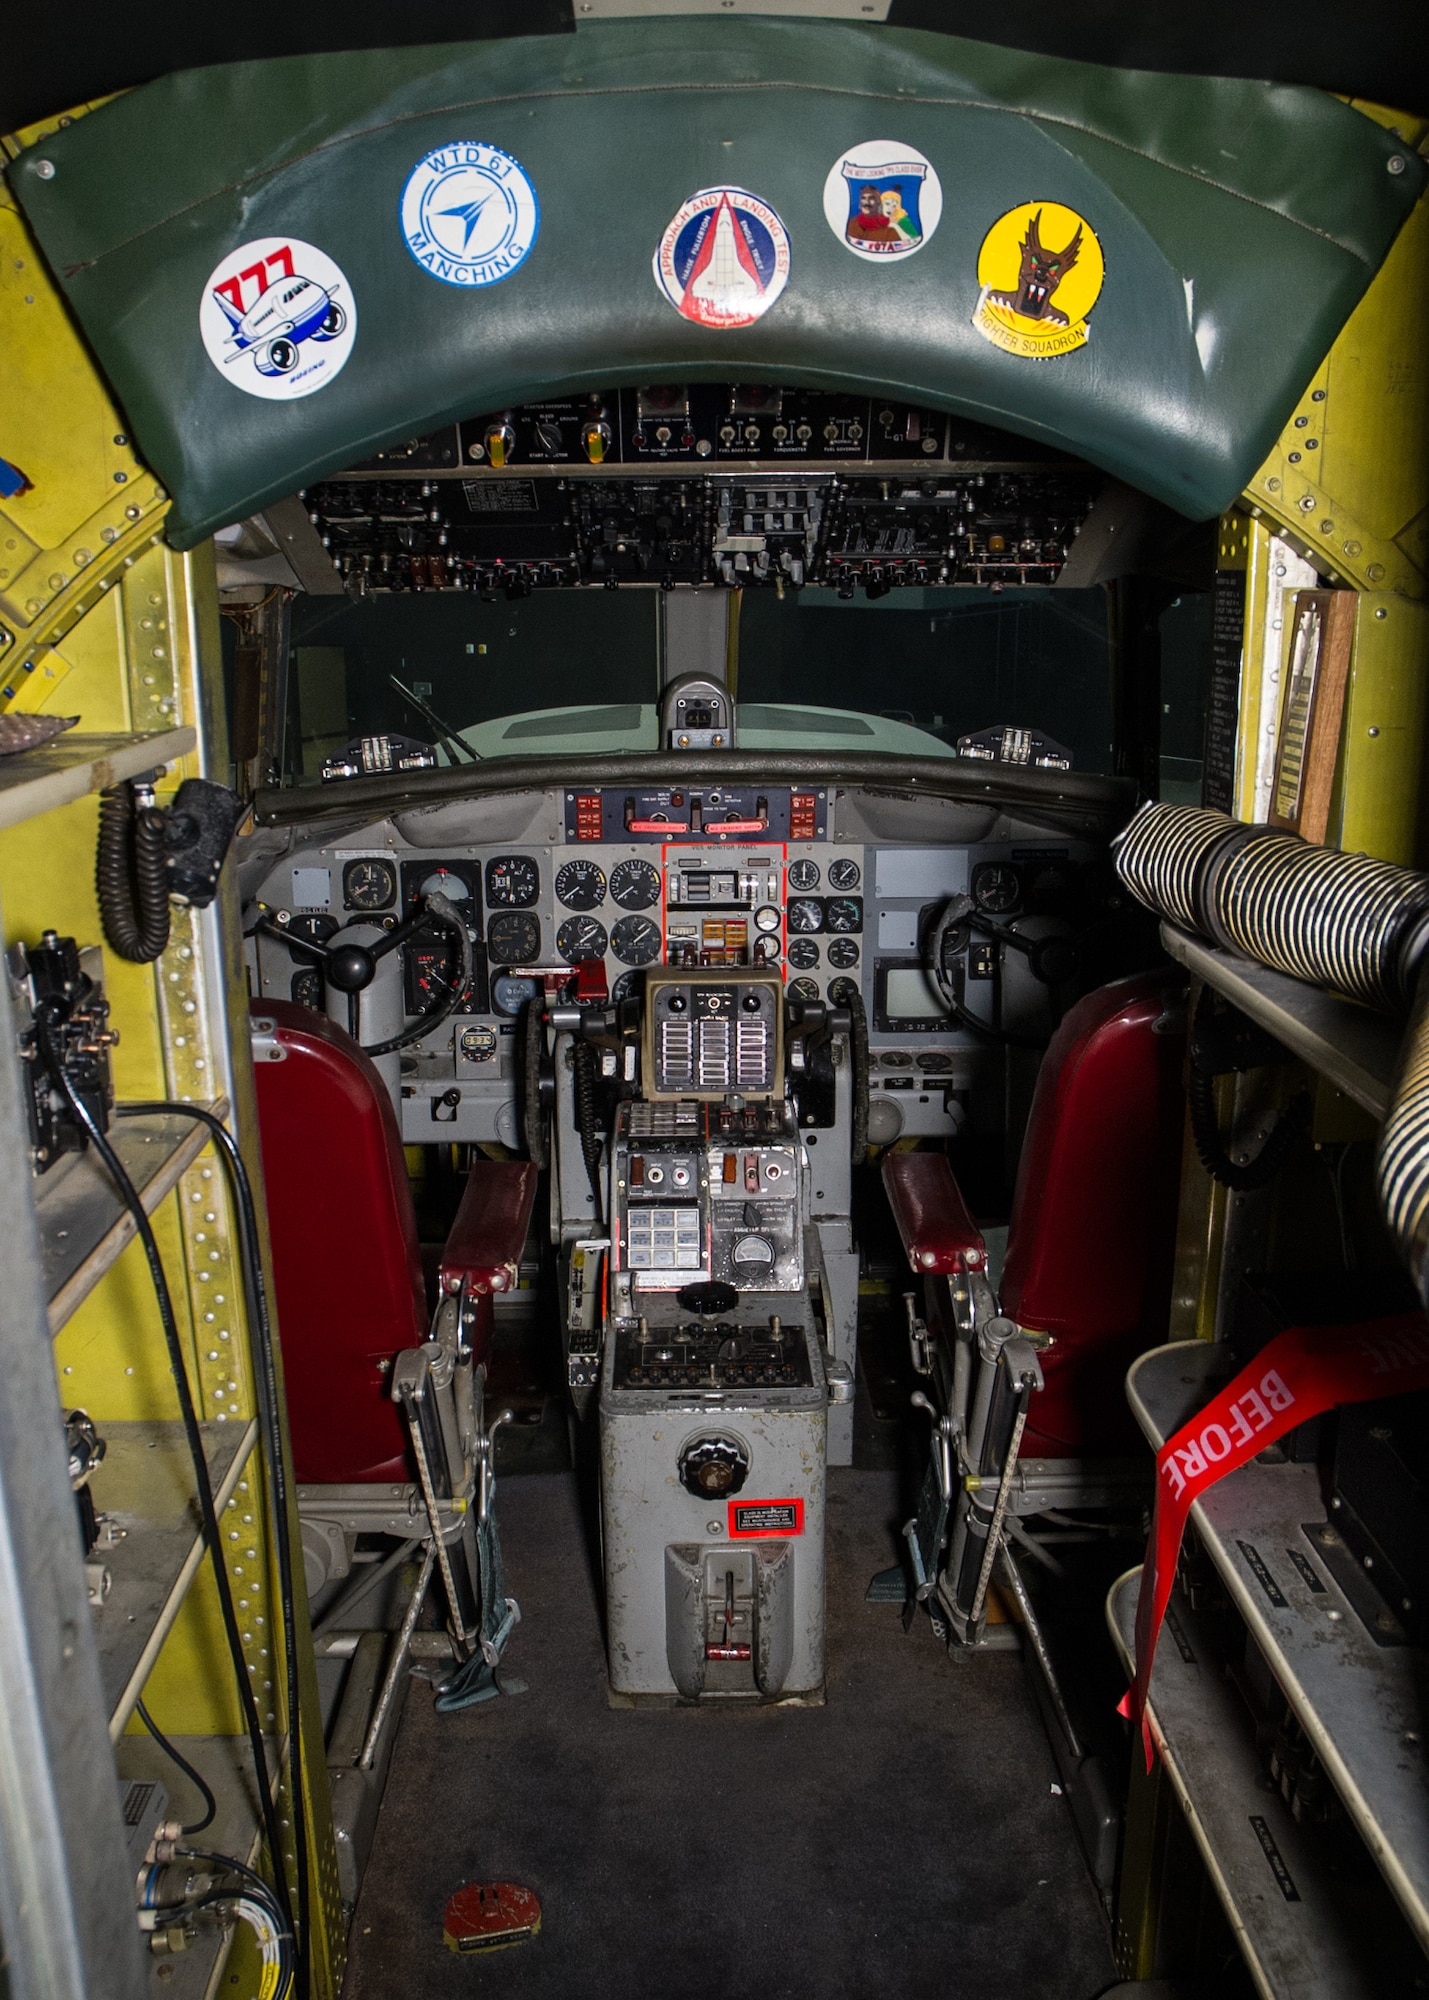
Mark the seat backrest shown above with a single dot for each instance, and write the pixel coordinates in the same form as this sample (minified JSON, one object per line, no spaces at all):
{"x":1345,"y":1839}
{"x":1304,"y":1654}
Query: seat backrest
{"x":1092,"y":1231}
{"x":346,"y":1263}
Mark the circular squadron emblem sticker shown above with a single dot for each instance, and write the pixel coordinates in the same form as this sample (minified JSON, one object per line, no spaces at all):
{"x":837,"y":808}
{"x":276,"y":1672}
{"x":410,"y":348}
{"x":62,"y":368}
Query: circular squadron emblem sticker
{"x":1040,"y":270}
{"x":724,"y":259}
{"x":277,"y":318}
{"x":470,"y":214}
{"x":883,"y":200}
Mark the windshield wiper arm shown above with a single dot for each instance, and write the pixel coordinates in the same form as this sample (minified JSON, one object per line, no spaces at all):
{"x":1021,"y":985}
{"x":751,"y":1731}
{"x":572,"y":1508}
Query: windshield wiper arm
{"x":445,"y":734}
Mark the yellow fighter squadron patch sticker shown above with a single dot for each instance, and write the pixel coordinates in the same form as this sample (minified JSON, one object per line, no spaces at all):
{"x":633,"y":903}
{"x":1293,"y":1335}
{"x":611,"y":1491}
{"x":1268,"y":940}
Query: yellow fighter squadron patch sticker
{"x":1040,"y":270}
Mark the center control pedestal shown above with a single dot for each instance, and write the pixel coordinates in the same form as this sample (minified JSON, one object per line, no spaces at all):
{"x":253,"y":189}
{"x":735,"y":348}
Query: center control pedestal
{"x":713,"y":1405}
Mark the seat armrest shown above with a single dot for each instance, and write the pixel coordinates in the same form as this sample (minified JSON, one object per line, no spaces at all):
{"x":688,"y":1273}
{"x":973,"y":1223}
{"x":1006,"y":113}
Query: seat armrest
{"x":938,"y":1233}
{"x":486,"y":1239}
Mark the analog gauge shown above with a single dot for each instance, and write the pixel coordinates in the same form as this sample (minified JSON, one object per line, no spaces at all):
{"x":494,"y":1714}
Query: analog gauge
{"x":803,"y":876}
{"x":626,"y":987}
{"x":580,"y":938}
{"x":513,"y":881}
{"x":635,"y":885}
{"x":843,"y":953}
{"x":636,"y":941}
{"x":315,"y":928}
{"x":843,"y":991}
{"x":369,"y":885}
{"x":844,"y":913}
{"x":306,"y":988}
{"x":510,"y":994}
{"x":767,"y":919}
{"x":803,"y":953}
{"x":933,"y":1062}
{"x":429,"y":970}
{"x":844,"y":874}
{"x":805,"y":914}
{"x":580,"y":885}
{"x":803,"y":989}
{"x":513,"y":940}
{"x":443,"y":882}
{"x":996,"y":887}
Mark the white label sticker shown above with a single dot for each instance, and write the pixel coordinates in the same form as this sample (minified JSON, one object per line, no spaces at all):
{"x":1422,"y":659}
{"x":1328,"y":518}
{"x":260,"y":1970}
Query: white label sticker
{"x":469,"y":213}
{"x":278,"y":318}
{"x":724,"y":259}
{"x":882,"y":200}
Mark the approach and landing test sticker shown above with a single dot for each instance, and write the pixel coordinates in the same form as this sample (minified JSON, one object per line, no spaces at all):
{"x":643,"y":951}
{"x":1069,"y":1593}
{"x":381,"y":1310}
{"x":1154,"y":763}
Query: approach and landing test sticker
{"x":751,"y":1519}
{"x":883,"y":200}
{"x":277,"y":318}
{"x":470,"y":214}
{"x":1040,"y":269}
{"x":724,"y":259}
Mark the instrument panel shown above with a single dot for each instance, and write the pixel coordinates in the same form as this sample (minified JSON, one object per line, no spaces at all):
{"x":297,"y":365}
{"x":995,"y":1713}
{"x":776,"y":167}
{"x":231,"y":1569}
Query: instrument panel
{"x":690,"y":879}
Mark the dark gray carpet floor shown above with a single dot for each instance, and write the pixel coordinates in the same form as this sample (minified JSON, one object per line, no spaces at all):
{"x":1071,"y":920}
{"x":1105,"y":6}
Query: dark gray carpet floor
{"x":904,"y":1840}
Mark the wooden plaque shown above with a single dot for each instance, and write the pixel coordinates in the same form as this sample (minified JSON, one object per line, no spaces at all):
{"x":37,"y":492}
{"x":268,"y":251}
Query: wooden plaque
{"x":1312,"y":705}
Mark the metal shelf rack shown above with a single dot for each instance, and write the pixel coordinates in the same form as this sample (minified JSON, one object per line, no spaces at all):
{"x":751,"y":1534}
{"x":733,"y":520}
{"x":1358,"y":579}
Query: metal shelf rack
{"x":1358,"y":1696}
{"x":71,"y":766}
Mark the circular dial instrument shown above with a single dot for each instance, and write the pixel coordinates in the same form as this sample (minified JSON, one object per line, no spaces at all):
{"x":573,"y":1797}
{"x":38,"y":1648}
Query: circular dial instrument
{"x":803,"y":876}
{"x":636,"y":941}
{"x":803,"y":989}
{"x":580,"y":885}
{"x":843,"y":953}
{"x":842,"y":991}
{"x":513,"y":881}
{"x":510,"y":994}
{"x":445,"y":882}
{"x":844,"y":874}
{"x":844,"y":913}
{"x":766,"y":919}
{"x":316,"y":926}
{"x":996,"y":887}
{"x":580,"y":938}
{"x":369,"y":885}
{"x":635,"y":885}
{"x":513,"y":940}
{"x":629,"y":983}
{"x":805,"y":914}
{"x":803,"y":953}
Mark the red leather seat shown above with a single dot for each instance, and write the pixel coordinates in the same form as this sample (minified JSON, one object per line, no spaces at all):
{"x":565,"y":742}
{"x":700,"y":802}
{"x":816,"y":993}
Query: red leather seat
{"x":1091,"y":1236}
{"x":1092,"y":1233}
{"x":346,"y":1265}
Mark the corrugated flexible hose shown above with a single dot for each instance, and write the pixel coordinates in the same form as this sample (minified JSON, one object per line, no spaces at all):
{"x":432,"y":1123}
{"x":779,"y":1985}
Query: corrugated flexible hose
{"x":1348,"y":922}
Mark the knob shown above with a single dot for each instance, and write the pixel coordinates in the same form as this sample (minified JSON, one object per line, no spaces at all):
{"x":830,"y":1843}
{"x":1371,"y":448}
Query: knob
{"x":500,"y":442}
{"x":711,"y":1467}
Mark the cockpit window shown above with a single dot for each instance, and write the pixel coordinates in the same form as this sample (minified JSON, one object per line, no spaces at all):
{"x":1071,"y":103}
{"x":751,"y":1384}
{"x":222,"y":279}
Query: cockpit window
{"x":578,"y":672}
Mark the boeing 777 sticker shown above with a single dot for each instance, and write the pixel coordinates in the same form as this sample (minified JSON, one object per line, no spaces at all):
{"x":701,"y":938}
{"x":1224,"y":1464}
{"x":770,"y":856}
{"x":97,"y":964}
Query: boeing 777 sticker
{"x":883,"y":201}
{"x":724,"y":259}
{"x":1040,"y":272}
{"x":277,"y":318}
{"x":470,"y":214}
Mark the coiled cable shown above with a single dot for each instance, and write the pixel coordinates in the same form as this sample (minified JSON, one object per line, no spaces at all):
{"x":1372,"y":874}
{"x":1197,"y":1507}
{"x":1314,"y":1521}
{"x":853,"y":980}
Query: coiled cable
{"x":131,"y":875}
{"x":584,"y":1070}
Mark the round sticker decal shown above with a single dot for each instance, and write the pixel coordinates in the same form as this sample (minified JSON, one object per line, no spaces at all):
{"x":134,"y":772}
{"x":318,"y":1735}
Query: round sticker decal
{"x":1040,"y":270}
{"x":277,"y":318}
{"x":470,"y":214}
{"x":883,"y":200}
{"x":724,"y":259}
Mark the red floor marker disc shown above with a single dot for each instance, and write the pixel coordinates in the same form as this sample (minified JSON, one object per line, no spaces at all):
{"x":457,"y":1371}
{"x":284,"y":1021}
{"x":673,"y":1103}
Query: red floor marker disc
{"x":485,"y":1916}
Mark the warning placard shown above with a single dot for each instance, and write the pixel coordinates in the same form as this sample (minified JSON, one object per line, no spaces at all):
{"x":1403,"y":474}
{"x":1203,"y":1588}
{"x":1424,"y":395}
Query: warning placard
{"x":748,"y":1518}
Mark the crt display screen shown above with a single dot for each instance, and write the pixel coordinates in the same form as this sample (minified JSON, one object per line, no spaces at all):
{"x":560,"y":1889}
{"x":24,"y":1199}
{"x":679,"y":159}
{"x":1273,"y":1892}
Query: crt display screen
{"x":911,"y":996}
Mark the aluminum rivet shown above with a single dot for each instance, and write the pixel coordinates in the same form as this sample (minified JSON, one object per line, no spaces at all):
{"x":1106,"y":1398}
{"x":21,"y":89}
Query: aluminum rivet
{"x":1395,"y":164}
{"x":45,"y":169}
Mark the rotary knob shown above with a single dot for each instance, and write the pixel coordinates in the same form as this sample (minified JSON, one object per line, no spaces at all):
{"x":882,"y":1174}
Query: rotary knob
{"x":711,"y":1467}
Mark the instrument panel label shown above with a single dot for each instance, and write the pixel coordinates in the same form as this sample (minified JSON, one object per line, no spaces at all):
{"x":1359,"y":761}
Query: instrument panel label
{"x":750,"y":1519}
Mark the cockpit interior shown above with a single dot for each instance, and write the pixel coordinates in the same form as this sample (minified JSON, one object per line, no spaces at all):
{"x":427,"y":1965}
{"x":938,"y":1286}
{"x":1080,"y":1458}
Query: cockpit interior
{"x":712,"y":879}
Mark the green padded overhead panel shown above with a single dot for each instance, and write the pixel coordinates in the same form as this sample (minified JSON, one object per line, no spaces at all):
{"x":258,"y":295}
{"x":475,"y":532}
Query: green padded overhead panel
{"x":1233,"y":225}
